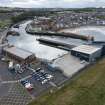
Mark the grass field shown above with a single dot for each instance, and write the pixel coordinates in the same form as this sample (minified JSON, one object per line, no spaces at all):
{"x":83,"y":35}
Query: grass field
{"x":88,"y":88}
{"x":4,"y":23}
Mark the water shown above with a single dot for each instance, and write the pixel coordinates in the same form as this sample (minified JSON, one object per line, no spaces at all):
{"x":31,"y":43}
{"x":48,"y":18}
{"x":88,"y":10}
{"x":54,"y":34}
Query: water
{"x":29,"y":42}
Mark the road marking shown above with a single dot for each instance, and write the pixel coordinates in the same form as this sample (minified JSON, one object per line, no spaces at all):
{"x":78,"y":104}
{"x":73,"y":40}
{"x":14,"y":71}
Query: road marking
{"x":25,"y":78}
{"x":5,"y":82}
{"x":31,"y":69}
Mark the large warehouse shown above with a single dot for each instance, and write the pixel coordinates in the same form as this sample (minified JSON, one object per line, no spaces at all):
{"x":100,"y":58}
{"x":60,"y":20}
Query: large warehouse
{"x":18,"y":54}
{"x":88,"y":53}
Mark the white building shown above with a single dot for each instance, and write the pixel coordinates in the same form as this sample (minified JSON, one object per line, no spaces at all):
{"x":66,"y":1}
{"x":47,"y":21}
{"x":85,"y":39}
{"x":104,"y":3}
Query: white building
{"x":87,"y":52}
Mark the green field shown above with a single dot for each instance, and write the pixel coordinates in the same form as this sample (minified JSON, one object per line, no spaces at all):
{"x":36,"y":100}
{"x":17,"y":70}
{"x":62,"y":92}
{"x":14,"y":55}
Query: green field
{"x":4,"y":23}
{"x":101,"y":17}
{"x":88,"y":88}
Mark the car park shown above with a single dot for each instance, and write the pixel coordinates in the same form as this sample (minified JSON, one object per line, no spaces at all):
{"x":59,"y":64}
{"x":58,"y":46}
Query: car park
{"x":46,"y":75}
{"x":42,"y":76}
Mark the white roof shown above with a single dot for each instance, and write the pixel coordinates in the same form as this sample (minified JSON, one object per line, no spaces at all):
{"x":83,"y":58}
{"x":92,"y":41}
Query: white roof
{"x":18,"y":52}
{"x":88,"y":49}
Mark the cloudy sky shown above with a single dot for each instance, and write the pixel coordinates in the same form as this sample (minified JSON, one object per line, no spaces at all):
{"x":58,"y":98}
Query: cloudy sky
{"x":53,"y":3}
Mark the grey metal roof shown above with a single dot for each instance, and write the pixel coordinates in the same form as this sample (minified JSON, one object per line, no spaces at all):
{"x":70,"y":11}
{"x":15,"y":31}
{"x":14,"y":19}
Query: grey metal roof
{"x":18,"y":52}
{"x":88,"y":49}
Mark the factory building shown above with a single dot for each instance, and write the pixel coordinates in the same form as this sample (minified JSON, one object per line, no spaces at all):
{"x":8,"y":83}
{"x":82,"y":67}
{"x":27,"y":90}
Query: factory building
{"x":88,"y":53}
{"x":19,"y":55}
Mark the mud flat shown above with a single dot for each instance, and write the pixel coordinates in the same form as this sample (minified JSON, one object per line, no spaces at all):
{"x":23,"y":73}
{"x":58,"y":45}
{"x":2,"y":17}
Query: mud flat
{"x":98,"y":32}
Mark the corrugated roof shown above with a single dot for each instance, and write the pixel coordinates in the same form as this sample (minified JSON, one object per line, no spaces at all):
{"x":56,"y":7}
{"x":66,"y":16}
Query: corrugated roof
{"x":88,"y":49}
{"x":18,"y":52}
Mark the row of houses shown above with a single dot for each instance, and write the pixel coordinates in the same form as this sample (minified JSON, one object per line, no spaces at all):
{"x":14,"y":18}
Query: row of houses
{"x":67,"y":20}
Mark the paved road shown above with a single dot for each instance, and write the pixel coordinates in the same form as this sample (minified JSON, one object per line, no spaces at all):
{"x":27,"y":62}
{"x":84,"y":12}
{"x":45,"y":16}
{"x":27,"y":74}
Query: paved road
{"x":16,"y":81}
{"x":3,"y":36}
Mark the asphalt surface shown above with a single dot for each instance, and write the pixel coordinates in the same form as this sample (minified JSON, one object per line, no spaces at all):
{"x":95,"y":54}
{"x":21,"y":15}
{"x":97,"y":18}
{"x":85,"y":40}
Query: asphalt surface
{"x":13,"y":93}
{"x":15,"y":96}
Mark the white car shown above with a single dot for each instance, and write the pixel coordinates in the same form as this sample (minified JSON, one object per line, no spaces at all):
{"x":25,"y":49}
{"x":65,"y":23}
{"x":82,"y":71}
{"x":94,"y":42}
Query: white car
{"x":5,"y":60}
{"x":49,"y":76}
{"x":29,"y":86}
{"x":44,"y":81}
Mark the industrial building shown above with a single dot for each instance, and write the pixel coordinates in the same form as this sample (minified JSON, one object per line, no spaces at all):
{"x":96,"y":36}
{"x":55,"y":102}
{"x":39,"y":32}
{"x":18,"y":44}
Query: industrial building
{"x":69,"y":65}
{"x":88,"y":53}
{"x":19,"y":55}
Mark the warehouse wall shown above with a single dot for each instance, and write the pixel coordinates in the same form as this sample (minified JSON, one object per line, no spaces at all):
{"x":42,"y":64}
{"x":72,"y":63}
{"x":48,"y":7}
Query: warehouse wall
{"x":87,"y":57}
{"x":80,"y":55}
{"x":96,"y":55}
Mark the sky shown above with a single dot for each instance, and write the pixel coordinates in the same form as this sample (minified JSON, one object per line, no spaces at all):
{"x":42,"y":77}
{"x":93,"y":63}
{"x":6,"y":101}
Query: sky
{"x":53,"y":3}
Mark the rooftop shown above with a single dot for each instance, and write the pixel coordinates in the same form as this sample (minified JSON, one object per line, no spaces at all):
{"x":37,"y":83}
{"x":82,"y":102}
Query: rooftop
{"x":71,"y":63}
{"x":88,"y":49}
{"x":18,"y":52}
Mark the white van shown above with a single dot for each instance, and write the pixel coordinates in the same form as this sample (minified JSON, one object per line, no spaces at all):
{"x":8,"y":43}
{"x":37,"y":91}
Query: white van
{"x":11,"y":67}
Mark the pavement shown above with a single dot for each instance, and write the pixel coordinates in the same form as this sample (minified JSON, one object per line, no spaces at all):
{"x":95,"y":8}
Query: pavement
{"x":69,"y":64}
{"x":3,"y":35}
{"x":16,"y":95}
{"x":13,"y":93}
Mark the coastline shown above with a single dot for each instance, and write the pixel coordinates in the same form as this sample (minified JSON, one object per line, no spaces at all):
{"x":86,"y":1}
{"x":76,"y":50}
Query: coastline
{"x":61,"y":34}
{"x":96,"y":26}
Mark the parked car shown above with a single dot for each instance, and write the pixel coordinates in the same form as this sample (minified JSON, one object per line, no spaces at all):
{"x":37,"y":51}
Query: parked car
{"x":11,"y":66}
{"x":83,"y":62}
{"x":38,"y":69}
{"x":42,"y":77}
{"x":16,"y":26}
{"x":20,"y":71}
{"x":27,"y":85}
{"x":5,"y":59}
